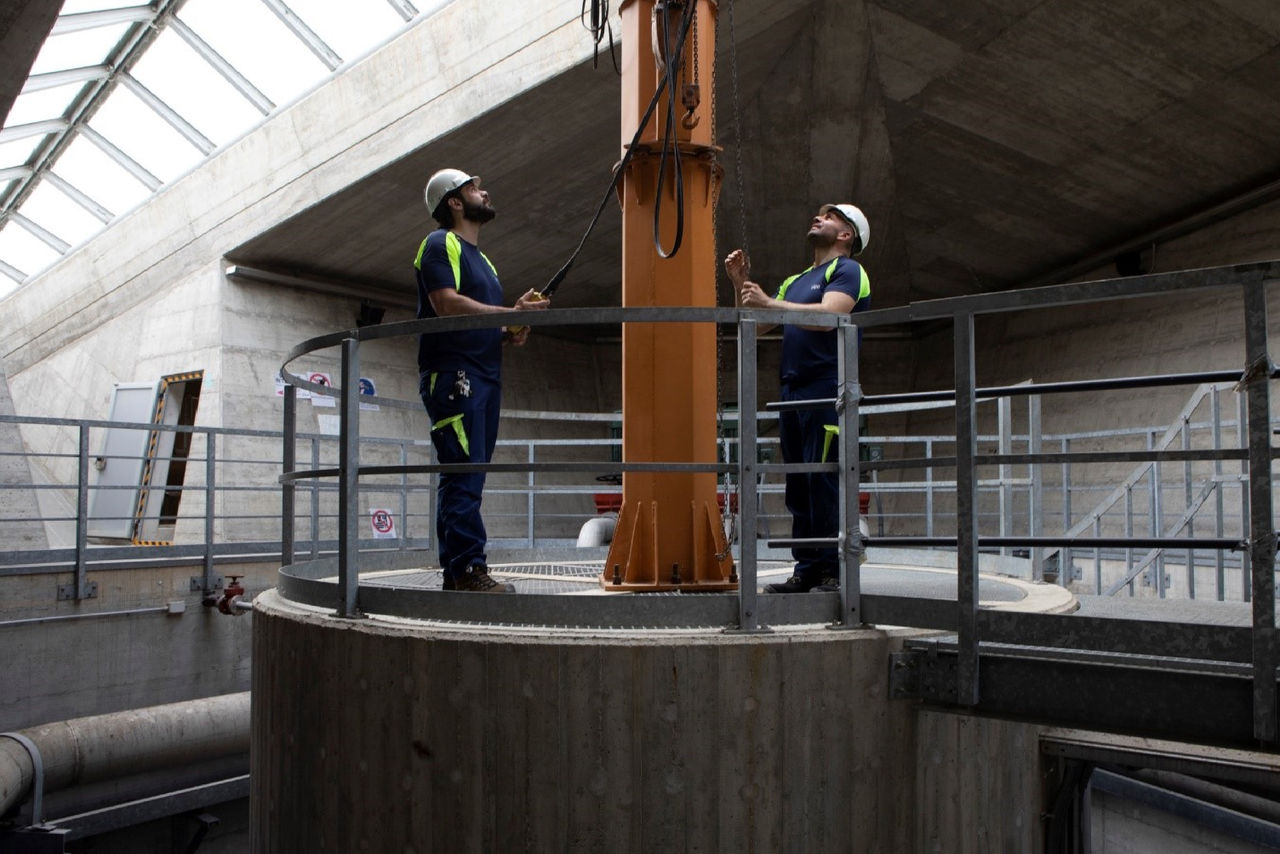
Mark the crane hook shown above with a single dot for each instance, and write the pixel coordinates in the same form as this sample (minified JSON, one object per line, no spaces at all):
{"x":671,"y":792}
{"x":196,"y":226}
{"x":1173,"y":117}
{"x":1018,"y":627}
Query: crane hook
{"x":690,"y":97}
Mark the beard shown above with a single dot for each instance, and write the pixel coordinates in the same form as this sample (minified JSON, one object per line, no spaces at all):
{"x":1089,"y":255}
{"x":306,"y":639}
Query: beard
{"x":818,"y":240}
{"x":480,"y":212}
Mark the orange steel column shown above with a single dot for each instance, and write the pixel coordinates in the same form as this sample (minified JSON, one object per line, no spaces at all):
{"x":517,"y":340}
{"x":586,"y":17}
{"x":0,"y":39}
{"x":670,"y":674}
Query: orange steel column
{"x":669,"y":534}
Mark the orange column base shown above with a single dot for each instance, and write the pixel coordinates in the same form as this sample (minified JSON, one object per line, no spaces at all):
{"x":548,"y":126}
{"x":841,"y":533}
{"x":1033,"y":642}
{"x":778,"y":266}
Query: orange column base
{"x":632,"y":564}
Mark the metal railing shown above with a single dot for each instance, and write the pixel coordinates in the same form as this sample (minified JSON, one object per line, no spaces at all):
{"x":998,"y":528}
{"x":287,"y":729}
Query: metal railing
{"x":231,"y":510}
{"x":746,"y":611}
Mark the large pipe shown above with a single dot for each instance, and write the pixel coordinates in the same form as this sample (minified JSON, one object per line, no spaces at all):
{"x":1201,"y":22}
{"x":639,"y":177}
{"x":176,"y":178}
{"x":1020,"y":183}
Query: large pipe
{"x":120,"y":744}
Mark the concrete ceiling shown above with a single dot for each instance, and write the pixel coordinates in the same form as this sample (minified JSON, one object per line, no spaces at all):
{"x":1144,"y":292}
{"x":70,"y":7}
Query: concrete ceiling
{"x":992,"y":143}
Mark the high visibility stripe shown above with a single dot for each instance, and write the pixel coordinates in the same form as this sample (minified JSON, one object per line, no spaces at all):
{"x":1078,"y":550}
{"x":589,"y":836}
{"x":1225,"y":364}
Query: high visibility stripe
{"x":417,"y":259}
{"x":456,"y":421}
{"x":431,"y":387}
{"x":786,"y":283}
{"x":490,"y":263}
{"x":864,"y":285}
{"x":453,"y":247}
{"x":833,"y":430}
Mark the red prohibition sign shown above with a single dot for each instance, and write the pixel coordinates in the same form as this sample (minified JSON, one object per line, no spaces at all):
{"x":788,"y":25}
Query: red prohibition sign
{"x":381,"y":521}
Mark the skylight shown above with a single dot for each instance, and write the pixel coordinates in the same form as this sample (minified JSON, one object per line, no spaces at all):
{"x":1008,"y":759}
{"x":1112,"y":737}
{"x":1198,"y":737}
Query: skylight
{"x":124,"y":98}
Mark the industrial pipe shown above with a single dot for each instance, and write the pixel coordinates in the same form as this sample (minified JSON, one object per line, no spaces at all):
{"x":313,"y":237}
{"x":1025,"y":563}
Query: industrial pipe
{"x":119,"y":744}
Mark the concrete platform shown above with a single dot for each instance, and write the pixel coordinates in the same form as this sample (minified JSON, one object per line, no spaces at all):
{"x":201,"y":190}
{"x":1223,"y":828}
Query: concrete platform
{"x":452,"y":735}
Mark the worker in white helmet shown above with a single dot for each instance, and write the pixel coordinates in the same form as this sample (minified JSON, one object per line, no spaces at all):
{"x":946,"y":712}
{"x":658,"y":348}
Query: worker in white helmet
{"x":459,"y":373}
{"x":835,"y":284}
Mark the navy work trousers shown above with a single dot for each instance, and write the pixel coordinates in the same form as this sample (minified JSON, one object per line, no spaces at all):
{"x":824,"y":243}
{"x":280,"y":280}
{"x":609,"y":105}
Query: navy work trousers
{"x":464,"y":429}
{"x":813,"y":499}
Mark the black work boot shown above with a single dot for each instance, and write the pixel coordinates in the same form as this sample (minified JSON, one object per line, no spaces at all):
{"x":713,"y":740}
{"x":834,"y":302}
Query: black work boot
{"x":794,"y":584}
{"x":829,"y":584}
{"x":476,"y":579}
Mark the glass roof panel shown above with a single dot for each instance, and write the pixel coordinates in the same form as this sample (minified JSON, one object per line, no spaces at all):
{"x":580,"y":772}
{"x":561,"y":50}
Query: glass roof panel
{"x":54,"y":211}
{"x":87,"y":167}
{"x":261,"y":48}
{"x":139,"y":132}
{"x":350,"y":28}
{"x":73,"y":50}
{"x":71,"y":7}
{"x":6,"y":284}
{"x":182,"y":79}
{"x":18,"y":152}
{"x":244,"y":32}
{"x":45,"y":104}
{"x":22,"y":249}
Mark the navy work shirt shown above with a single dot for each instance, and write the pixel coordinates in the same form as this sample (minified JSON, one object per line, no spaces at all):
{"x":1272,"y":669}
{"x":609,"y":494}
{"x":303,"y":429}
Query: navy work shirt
{"x":447,"y":261}
{"x":809,"y":355}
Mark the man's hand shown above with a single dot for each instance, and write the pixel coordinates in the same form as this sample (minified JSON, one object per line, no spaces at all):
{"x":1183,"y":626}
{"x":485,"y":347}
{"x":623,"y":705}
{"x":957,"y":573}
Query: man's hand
{"x":751,"y":296}
{"x":737,"y":267}
{"x":532,"y":300}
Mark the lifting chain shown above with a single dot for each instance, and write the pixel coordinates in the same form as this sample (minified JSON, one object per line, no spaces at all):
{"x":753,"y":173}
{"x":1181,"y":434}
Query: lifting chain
{"x":691,"y":93}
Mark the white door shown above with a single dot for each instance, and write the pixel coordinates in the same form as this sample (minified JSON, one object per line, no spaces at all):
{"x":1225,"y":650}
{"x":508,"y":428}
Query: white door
{"x":112,"y":510}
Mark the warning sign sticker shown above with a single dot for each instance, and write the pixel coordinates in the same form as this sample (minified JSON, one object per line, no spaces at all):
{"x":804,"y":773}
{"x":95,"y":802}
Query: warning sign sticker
{"x":383,"y":524}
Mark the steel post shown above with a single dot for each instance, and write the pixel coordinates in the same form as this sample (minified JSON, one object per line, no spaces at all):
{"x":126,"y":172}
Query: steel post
{"x":1128,"y":532}
{"x":207,"y":584}
{"x":1262,"y":534}
{"x":1064,"y":555}
{"x":1004,"y":441}
{"x":1188,"y":498}
{"x":288,"y":491}
{"x":851,"y":547}
{"x":1246,"y":560}
{"x":928,"y":490}
{"x":1035,"y":500}
{"x":1219,"y":564}
{"x":404,"y":493}
{"x":349,"y":481}
{"x":748,"y":403}
{"x":315,"y":501}
{"x":82,"y":512}
{"x":967,"y":690}
{"x":529,"y":529}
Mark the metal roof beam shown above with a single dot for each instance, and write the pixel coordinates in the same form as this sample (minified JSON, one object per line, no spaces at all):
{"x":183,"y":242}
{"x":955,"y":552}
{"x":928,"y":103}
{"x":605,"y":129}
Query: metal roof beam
{"x":130,"y":165}
{"x":42,"y":128}
{"x":228,"y":71}
{"x":13,"y":173}
{"x":53,"y":79}
{"x":105,"y":18}
{"x":81,"y":198}
{"x":169,"y":114}
{"x":406,"y":10}
{"x":12,"y":272}
{"x":305,"y":34}
{"x":53,"y":241}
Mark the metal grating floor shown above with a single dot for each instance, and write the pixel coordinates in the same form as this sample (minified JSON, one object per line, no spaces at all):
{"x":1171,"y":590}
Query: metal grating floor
{"x":582,"y":578}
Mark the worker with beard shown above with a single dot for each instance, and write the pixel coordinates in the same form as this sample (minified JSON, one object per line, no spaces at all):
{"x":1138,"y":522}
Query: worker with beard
{"x":834,"y":284}
{"x":460,"y":373}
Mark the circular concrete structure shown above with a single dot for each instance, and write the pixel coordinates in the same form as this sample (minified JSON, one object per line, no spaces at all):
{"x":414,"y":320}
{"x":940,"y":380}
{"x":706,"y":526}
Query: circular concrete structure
{"x":390,"y":734}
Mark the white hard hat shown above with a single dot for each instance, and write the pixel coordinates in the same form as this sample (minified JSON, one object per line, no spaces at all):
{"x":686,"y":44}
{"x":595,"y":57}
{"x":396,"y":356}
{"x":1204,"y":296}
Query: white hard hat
{"x":444,"y":182}
{"x":855,"y":218}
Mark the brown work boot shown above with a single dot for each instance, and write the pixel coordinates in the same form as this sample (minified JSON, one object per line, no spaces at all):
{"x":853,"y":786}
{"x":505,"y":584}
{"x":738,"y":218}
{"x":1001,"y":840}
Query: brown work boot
{"x":476,"y":579}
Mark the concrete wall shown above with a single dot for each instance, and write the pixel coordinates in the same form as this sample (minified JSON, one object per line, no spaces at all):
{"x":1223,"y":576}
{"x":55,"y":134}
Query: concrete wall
{"x":66,"y":659}
{"x":978,"y":786}
{"x":455,"y":740}
{"x":20,"y":526}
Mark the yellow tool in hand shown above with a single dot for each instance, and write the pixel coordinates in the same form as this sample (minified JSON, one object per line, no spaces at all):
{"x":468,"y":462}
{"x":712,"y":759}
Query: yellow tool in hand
{"x":537,"y":296}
